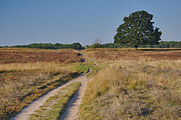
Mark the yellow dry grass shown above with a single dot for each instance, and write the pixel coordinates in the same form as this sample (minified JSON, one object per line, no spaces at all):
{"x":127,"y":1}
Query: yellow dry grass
{"x":21,"y":83}
{"x":38,"y":66}
{"x":135,"y":89}
{"x":26,"y":74}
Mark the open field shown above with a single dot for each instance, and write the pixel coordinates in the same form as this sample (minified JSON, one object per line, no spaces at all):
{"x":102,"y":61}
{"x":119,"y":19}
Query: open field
{"x":135,"y":85}
{"x":17,"y":55}
{"x":26,"y":74}
{"x":127,"y":83}
{"x":114,"y":54}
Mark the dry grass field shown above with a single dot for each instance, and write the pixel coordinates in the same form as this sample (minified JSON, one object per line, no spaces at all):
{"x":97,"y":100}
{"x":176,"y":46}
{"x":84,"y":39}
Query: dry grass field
{"x":26,"y":74}
{"x":136,"y":85}
{"x":15,"y":55}
{"x":127,"y":84}
{"x":114,"y":54}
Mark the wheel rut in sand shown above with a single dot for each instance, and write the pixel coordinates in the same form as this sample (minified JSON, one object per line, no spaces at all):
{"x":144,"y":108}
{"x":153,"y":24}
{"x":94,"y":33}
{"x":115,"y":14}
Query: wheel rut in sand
{"x":72,"y":107}
{"x":27,"y":111}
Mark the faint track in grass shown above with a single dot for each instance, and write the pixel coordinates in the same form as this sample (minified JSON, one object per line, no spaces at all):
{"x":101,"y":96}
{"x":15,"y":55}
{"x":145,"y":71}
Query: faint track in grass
{"x":27,"y":111}
{"x":72,"y":107}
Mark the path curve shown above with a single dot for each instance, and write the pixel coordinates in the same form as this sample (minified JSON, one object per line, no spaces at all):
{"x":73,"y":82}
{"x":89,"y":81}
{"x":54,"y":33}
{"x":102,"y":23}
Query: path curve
{"x":72,"y":108}
{"x":27,"y":111}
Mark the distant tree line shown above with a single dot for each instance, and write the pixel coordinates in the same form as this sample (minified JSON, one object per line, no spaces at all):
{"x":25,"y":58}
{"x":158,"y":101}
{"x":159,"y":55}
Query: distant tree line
{"x":162,"y":44}
{"x":76,"y":46}
{"x":165,"y":44}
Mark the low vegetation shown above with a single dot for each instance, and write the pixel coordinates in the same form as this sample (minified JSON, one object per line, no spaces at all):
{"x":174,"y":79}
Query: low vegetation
{"x":162,"y":44}
{"x":55,"y":104}
{"x":115,"y":54}
{"x":135,"y":89}
{"x":23,"y":84}
{"x":76,"y":46}
{"x":128,"y":83}
{"x":24,"y":80}
{"x":25,"y":55}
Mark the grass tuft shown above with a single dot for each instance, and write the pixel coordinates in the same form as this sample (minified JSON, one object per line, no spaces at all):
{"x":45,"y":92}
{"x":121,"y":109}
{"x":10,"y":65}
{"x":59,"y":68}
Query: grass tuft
{"x":134,"y":89}
{"x":52,"y":108}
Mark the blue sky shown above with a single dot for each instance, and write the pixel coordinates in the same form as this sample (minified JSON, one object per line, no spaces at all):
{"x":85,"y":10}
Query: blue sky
{"x":69,"y":21}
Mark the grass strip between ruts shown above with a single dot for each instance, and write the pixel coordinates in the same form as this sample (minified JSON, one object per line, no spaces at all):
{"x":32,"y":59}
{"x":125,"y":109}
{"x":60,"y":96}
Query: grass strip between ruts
{"x":52,"y":108}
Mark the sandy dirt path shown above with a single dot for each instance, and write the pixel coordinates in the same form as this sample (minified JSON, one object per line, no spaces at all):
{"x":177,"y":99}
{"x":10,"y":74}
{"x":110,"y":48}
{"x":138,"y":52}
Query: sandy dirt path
{"x":72,"y":108}
{"x":27,"y":111}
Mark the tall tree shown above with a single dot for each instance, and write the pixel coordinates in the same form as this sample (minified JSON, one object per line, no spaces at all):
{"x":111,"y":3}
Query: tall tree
{"x":138,"y":29}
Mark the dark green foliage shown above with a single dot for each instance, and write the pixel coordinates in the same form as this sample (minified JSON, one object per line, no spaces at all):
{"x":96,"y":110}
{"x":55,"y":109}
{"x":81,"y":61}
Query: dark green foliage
{"x":137,"y":30}
{"x":113,"y":45}
{"x":170,"y":44}
{"x":96,"y":45}
{"x":162,"y":44}
{"x":109,"y":45}
{"x":87,"y":46}
{"x":3,"y":46}
{"x":77,"y":46}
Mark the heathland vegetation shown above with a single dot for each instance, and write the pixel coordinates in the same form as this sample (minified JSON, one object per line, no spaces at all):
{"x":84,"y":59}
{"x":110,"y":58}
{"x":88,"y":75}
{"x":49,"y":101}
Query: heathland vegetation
{"x":135,"y":85}
{"x":26,"y":74}
{"x":128,"y":83}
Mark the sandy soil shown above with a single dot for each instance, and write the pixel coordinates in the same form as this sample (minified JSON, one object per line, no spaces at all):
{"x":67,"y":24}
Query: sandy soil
{"x":72,"y":107}
{"x":27,"y":111}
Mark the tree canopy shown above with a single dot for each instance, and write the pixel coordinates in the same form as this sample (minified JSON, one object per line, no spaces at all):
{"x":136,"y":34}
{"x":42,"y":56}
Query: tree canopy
{"x":137,"y":30}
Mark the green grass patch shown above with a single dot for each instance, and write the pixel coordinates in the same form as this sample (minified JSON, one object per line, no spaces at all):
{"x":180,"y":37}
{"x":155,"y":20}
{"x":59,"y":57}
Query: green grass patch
{"x":82,"y":67}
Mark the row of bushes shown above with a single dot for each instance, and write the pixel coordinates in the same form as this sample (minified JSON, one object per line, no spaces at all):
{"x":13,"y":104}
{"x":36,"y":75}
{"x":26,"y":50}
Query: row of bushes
{"x":162,"y":44}
{"x":77,"y":46}
{"x":52,"y":46}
